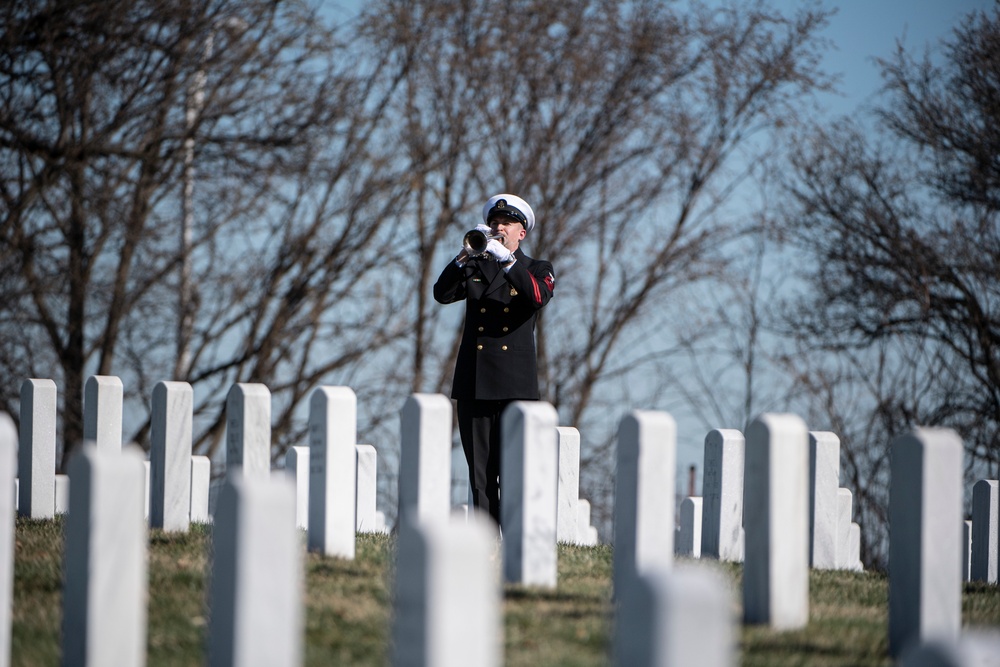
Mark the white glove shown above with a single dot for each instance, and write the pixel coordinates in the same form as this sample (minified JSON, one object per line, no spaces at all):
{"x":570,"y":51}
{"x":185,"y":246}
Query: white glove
{"x":498,"y":251}
{"x":485,"y":229}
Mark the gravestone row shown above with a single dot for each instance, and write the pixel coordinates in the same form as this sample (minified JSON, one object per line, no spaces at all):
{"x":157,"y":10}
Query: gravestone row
{"x":778,"y":544}
{"x":178,"y":484}
{"x":107,"y":479}
{"x":179,"y":495}
{"x":711,"y":526}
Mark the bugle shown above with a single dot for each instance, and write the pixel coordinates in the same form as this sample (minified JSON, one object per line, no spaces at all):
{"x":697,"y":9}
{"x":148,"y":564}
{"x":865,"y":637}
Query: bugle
{"x":475,"y":242}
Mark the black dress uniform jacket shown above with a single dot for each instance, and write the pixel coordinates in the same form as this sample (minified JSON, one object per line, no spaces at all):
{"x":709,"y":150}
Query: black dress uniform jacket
{"x":496,"y":359}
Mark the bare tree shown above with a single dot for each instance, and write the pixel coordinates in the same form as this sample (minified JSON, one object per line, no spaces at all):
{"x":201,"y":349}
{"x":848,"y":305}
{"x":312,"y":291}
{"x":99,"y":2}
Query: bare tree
{"x":108,"y":111}
{"x":330,"y":174}
{"x":628,"y":126}
{"x":902,"y":233}
{"x":731,"y":364}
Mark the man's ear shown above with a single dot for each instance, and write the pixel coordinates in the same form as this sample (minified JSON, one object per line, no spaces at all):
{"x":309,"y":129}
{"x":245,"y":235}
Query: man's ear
{"x":522,"y":234}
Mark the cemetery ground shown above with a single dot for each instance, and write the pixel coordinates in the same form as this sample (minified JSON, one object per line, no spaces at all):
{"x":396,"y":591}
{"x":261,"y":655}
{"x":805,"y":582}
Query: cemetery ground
{"x":348,"y":607}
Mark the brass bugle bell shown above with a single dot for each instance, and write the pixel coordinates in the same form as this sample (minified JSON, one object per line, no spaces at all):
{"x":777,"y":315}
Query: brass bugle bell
{"x":475,"y":242}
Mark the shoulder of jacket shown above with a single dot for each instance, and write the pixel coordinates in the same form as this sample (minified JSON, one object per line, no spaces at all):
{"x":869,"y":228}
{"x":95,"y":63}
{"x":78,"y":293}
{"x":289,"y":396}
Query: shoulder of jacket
{"x":522,"y":257}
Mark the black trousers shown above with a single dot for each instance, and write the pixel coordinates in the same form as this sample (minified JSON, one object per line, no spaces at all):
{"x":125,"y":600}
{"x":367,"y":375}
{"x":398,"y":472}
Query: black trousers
{"x":479,"y":428}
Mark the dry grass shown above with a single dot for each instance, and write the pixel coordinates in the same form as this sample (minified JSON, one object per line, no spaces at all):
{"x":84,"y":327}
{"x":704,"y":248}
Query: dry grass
{"x":348,"y":607}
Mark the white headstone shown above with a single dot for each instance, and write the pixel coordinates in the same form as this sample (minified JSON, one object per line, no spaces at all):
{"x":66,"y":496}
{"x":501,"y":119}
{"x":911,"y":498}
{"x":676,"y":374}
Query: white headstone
{"x":102,"y":412}
{"x":448,"y":595}
{"x":36,"y":454}
{"x":925,"y":529}
{"x":974,"y":649}
{"x":367,"y":488}
{"x":170,"y":456}
{"x":689,"y":536}
{"x":248,"y":430}
{"x":644,"y":494}
{"x":722,"y":495}
{"x":583,"y":521}
{"x":569,"y":484}
{"x":985,"y":510}
{"x":8,"y":470}
{"x":105,"y":567}
{"x":425,"y":458}
{"x":62,"y":494}
{"x":333,"y":427}
{"x":854,"y":548}
{"x":201,"y":480}
{"x":966,"y":550}
{"x":145,"y":490}
{"x":529,"y":461}
{"x":845,"y":510}
{"x":297,"y":468}
{"x":256,"y":578}
{"x":776,"y":518}
{"x":824,"y":510}
{"x":671,"y":618}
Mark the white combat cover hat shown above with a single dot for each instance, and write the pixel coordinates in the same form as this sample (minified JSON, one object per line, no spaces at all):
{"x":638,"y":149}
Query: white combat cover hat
{"x":510,"y":206}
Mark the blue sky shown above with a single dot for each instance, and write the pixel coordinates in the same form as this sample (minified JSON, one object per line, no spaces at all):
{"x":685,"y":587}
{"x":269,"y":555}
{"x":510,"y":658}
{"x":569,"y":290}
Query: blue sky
{"x":863,"y":30}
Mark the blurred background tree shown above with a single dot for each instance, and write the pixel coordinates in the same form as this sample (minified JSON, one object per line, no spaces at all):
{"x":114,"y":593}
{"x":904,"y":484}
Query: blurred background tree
{"x":900,"y":322}
{"x":189,"y":192}
{"x":629,"y":127}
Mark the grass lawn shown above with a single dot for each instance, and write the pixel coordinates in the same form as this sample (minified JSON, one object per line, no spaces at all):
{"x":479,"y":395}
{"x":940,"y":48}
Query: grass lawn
{"x":348,"y":607}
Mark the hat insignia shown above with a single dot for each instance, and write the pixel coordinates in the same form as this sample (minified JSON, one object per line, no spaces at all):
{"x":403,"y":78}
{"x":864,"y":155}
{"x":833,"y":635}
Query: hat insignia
{"x":501,"y":203}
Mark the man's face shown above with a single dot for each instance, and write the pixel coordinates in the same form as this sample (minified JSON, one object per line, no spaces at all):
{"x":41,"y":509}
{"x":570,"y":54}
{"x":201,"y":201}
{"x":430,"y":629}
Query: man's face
{"x":511,"y":230}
